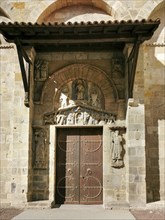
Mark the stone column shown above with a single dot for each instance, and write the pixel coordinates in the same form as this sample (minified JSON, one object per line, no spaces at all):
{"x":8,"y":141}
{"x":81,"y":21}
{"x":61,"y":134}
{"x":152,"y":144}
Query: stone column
{"x":136,"y":163}
{"x":52,"y":164}
{"x":161,"y":132}
{"x":107,"y":190}
{"x":114,"y":187}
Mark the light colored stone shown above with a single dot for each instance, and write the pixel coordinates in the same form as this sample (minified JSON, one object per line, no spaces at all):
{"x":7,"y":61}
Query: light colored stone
{"x":144,"y":139}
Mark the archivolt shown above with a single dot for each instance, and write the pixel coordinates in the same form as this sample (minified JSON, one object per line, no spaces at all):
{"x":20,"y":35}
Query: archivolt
{"x":59,"y":4}
{"x":84,"y":71}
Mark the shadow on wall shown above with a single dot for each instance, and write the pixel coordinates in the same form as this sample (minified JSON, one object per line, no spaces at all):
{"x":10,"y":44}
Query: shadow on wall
{"x":154,"y":107}
{"x":154,"y":111}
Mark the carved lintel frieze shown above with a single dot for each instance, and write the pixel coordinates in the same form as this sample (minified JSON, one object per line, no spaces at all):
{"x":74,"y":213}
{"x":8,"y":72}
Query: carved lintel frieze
{"x":80,"y":115}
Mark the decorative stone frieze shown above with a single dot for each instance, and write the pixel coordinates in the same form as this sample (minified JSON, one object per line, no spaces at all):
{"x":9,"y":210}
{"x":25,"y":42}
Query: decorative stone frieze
{"x":79,"y":115}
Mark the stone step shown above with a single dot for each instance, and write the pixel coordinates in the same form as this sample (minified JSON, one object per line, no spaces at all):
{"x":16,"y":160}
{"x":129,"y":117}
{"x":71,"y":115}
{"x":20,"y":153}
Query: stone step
{"x":39,"y":205}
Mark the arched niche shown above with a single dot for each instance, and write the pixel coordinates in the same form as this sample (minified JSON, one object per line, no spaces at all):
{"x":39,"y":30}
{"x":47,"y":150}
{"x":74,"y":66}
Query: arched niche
{"x":79,"y":10}
{"x":90,"y":75}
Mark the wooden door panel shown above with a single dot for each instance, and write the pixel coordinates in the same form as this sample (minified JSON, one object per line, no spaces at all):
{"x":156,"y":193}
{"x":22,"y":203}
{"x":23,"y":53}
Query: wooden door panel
{"x":91,"y":167}
{"x":79,"y":166}
{"x":67,"y":184}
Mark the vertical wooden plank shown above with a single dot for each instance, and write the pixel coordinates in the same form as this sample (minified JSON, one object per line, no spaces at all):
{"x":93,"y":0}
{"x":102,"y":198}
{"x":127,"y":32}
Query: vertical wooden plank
{"x":67,"y":184}
{"x":91,"y":186}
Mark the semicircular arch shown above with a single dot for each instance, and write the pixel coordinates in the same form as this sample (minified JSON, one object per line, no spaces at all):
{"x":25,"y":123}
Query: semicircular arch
{"x":102,"y":5}
{"x":80,"y":71}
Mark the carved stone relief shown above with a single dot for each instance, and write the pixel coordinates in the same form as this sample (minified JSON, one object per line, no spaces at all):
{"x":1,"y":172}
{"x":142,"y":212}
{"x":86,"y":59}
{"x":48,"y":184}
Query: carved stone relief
{"x":117,"y":67}
{"x":117,"y":149}
{"x":79,"y":89}
{"x":79,"y":102}
{"x":79,"y":115}
{"x":41,"y":70}
{"x":80,"y":92}
{"x":40,"y":152}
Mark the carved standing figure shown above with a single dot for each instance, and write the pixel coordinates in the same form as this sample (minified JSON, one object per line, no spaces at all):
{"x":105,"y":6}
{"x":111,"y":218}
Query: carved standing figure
{"x":80,"y":90}
{"x":117,"y":160}
{"x":40,"y":141}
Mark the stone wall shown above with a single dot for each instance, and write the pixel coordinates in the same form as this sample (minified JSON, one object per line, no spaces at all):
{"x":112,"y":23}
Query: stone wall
{"x":21,"y":182}
{"x":161,"y":132}
{"x":14,"y":123}
{"x":59,"y":70}
{"x":154,"y":105}
{"x":136,"y":161}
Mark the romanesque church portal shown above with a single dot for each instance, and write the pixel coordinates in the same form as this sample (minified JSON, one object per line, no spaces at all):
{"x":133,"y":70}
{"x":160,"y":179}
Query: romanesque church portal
{"x":82,"y":103}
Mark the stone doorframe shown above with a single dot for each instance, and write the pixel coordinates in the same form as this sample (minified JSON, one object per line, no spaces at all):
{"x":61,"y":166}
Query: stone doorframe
{"x":107,"y":168}
{"x":123,"y":186}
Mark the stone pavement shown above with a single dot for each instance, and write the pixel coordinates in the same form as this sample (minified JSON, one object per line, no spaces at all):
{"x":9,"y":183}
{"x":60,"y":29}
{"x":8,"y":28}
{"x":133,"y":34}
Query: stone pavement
{"x":78,"y":212}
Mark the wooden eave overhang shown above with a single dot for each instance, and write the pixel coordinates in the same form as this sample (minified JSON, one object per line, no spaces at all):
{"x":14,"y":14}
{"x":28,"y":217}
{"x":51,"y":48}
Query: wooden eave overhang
{"x":78,"y":36}
{"x":81,"y":36}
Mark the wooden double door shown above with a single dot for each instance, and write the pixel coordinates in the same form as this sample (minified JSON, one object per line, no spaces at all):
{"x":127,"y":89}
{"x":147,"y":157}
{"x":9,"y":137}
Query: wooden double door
{"x":79,"y":166}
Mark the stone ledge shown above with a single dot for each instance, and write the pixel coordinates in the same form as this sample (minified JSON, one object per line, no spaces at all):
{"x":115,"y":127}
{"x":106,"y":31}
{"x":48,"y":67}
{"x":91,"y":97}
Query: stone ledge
{"x":45,"y":204}
{"x":117,"y":205}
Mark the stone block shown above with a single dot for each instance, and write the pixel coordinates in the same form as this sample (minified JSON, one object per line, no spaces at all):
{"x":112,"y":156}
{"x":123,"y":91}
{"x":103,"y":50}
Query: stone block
{"x":3,"y":196}
{"x":136,"y":162}
{"x":81,"y":56}
{"x":140,"y":151}
{"x":116,"y":181}
{"x":18,"y":5}
{"x":133,"y":170}
{"x":37,"y":178}
{"x":108,"y":195}
{"x":132,"y":151}
{"x":141,"y":170}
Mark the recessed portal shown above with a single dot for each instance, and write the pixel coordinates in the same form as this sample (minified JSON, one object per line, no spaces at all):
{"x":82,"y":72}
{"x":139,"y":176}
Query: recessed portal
{"x":79,"y":172}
